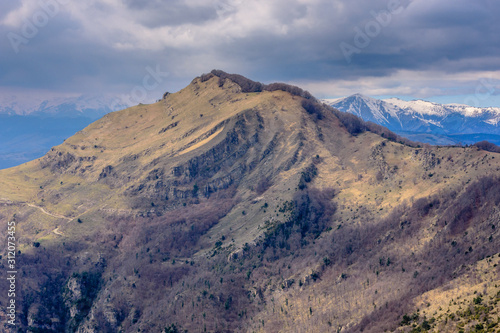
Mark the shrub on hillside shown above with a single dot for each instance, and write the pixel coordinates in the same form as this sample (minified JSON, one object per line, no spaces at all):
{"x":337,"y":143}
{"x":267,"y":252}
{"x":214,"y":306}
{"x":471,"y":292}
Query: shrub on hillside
{"x":488,"y":146}
{"x":263,"y":184}
{"x":313,"y":107}
{"x":353,"y":124}
{"x":293,"y":90}
{"x":206,"y":77}
{"x":249,"y":86}
{"x":246,"y":85}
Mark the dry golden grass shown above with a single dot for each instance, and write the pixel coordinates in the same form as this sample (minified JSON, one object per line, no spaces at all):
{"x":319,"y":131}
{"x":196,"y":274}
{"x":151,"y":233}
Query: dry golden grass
{"x":80,"y":199}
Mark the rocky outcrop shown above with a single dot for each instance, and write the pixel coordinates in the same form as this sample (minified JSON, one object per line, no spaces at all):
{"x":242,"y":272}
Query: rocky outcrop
{"x":79,"y":294}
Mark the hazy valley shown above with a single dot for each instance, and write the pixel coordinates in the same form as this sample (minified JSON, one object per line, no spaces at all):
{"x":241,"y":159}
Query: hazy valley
{"x":30,"y":125}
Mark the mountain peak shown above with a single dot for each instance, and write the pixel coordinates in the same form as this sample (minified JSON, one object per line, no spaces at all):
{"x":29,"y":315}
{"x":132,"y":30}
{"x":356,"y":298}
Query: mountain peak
{"x":250,"y":86}
{"x":223,"y":202}
{"x":359,"y":95}
{"x":367,"y":108}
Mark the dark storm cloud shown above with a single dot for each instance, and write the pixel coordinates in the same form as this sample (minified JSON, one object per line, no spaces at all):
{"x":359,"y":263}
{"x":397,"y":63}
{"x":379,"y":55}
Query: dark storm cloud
{"x":439,"y":34}
{"x":93,"y":45}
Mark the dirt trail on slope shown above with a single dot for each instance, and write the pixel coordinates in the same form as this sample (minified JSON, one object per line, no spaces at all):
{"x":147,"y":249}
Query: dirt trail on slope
{"x":50,"y":214}
{"x":58,"y":216}
{"x":57,"y":232}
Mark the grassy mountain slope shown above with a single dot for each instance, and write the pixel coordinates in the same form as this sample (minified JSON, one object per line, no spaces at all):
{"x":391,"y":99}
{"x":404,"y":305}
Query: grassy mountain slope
{"x":233,"y":206}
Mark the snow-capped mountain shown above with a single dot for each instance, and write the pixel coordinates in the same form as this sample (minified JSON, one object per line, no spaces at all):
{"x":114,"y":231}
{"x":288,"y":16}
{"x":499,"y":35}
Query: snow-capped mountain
{"x":454,"y":122}
{"x":453,"y":118}
{"x":42,"y":104}
{"x":369,"y":109}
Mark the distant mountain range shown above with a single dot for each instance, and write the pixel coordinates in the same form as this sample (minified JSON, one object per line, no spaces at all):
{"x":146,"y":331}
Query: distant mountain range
{"x":423,"y":121}
{"x":40,"y":104}
{"x":32,"y":124}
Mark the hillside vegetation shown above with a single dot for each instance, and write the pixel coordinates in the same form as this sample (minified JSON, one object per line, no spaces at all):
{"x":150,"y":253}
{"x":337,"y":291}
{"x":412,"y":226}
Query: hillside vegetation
{"x":233,"y":206}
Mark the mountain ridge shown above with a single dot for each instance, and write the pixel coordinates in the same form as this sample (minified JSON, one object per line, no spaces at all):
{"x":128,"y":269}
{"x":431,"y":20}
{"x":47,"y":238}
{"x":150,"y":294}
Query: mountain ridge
{"x":223,"y":208}
{"x":412,"y":119}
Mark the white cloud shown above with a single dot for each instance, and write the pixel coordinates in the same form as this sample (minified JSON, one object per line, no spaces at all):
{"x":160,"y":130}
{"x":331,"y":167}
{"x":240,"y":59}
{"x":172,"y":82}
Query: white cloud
{"x":419,"y":84}
{"x":16,"y":18}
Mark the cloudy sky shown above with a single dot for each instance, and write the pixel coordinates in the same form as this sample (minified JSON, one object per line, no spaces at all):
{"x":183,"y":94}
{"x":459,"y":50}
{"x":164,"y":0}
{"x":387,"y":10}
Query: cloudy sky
{"x":446,"y":51}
